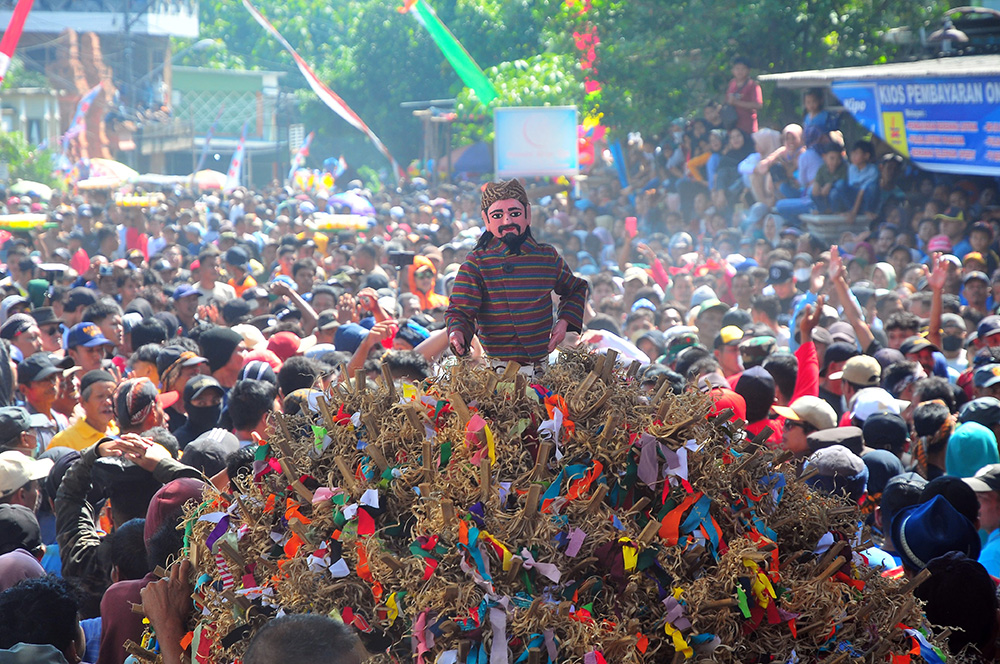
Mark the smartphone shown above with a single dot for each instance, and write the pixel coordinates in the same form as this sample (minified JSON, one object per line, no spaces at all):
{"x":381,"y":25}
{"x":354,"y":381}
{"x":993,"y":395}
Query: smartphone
{"x":401,"y":258}
{"x":631,"y":226}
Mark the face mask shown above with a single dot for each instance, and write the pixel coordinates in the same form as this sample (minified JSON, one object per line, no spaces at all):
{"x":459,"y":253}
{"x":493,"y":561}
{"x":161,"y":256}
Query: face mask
{"x":951,"y":342}
{"x":803,"y":274}
{"x":203,"y":418}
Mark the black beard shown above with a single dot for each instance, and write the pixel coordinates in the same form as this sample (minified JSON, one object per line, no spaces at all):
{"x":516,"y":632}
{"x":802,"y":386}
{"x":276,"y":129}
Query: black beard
{"x":514,"y":241}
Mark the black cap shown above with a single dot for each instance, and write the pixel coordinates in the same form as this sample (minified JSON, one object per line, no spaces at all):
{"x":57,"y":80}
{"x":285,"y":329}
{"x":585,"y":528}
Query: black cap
{"x":217,"y":346}
{"x":237,"y":256}
{"x":79,"y":297}
{"x":756,"y":386}
{"x":18,"y":529}
{"x":886,"y":431}
{"x":327,"y":320}
{"x":236,"y":311}
{"x":14,"y":421}
{"x":780,"y":272}
{"x":208,"y":452}
{"x":37,"y":367}
{"x":198,"y":385}
{"x":985,"y":410}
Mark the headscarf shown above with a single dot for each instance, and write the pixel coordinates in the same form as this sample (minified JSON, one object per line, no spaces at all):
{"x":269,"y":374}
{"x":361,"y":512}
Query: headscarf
{"x":430,"y":299}
{"x":766,"y":141}
{"x":890,"y":274}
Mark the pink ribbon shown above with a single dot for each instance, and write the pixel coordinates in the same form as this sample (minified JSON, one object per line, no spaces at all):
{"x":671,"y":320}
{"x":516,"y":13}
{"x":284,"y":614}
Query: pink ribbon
{"x":498,"y":647}
{"x":423,"y":639}
{"x":548,"y":570}
{"x":576,"y":538}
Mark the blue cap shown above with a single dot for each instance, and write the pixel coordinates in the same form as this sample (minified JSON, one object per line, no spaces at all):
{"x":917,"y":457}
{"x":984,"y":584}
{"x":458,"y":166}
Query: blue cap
{"x":86,"y":334}
{"x":184,"y":290}
{"x":643,"y":303}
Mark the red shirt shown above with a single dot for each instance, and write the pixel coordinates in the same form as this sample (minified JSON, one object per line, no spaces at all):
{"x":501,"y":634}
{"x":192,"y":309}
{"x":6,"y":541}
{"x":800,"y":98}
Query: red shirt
{"x":749,"y":92}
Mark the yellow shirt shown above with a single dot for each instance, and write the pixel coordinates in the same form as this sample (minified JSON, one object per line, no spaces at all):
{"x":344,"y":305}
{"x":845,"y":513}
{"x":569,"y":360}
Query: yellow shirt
{"x":81,"y":435}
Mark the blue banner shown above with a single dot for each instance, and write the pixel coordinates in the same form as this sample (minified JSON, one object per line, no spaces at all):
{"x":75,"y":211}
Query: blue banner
{"x":944,"y":125}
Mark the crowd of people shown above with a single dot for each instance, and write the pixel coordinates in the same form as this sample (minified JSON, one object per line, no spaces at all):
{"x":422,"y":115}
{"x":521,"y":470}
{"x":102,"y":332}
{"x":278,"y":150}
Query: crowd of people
{"x":143,"y":350}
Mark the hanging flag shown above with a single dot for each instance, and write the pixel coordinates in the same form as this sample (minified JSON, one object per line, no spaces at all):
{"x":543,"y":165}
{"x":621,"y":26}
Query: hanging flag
{"x":326,"y":95}
{"x":453,"y":51}
{"x":80,"y":117}
{"x":236,"y":165}
{"x":340,"y":168}
{"x":299,"y":158}
{"x":12,"y":35}
{"x":208,"y":141}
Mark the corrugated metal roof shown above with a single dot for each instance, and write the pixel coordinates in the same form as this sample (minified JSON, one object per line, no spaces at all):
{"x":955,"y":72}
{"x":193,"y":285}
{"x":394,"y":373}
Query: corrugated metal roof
{"x":972,"y":65}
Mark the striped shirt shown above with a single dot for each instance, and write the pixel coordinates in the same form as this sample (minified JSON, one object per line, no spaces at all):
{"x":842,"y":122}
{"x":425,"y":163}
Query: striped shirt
{"x":510,"y":295}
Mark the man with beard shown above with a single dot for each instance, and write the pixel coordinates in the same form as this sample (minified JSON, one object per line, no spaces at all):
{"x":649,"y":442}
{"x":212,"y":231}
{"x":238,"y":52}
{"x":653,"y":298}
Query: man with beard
{"x":506,"y":285}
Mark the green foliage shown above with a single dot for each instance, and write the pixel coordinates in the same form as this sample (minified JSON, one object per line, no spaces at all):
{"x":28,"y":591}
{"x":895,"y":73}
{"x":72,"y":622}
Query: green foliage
{"x":655,"y":59}
{"x":25,"y":162}
{"x":658,"y":60}
{"x":18,"y":76}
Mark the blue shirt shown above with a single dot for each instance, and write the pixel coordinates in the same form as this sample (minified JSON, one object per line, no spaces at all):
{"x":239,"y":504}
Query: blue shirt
{"x":989,"y":557}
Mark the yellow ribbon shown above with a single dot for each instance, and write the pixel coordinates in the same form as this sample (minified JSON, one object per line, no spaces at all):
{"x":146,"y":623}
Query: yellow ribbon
{"x":629,"y":553}
{"x":392,"y":611}
{"x":507,"y":555}
{"x":489,"y":444}
{"x":680,"y":645}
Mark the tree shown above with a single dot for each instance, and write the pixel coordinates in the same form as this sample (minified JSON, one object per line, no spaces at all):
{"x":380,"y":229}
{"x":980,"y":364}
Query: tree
{"x":658,"y":60}
{"x":25,"y":162}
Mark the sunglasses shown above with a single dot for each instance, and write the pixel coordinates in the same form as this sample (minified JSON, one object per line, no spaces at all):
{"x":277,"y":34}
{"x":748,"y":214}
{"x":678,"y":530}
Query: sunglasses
{"x":51,"y":331}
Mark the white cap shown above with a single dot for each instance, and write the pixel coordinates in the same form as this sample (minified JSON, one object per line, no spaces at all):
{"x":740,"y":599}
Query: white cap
{"x":17,"y":469}
{"x":252,"y":336}
{"x":872,"y":400}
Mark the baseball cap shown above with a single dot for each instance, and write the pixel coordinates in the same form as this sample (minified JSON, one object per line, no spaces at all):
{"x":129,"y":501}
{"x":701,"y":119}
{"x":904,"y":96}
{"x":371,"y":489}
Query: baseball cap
{"x":14,"y":421}
{"x":916,"y":344}
{"x":939,"y":243}
{"x":838,"y":351}
{"x":873,"y":400}
{"x":284,"y":345}
{"x":756,"y":386}
{"x":711,"y":304}
{"x":175,"y":355}
{"x":208,"y":452}
{"x":636,"y":273}
{"x":258,"y":370}
{"x":726,"y":398}
{"x":843,"y":332}
{"x":199,"y":385}
{"x":988,"y":326}
{"x":976,"y":275}
{"x":86,"y":334}
{"x":860,"y":370}
{"x":36,"y":367}
{"x":184,"y":290}
{"x":18,"y":529}
{"x":985,"y":480}
{"x":728,"y":336}
{"x":237,"y":256}
{"x":252,"y":336}
{"x":985,"y":410}
{"x":327,"y":320}
{"x":812,"y":410}
{"x":953,"y":320}
{"x":841,"y":471}
{"x":886,"y":431}
{"x":17,"y":469}
{"x":780,"y":272}
{"x":986,"y":375}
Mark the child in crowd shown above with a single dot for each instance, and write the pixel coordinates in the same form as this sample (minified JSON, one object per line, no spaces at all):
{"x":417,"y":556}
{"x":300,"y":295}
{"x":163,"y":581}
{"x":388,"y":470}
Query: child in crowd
{"x":830,"y":181}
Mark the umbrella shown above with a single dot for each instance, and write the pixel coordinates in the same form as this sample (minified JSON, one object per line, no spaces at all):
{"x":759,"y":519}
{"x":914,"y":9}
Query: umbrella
{"x":111,"y":168}
{"x":23,"y":187}
{"x":99,"y":182}
{"x":475,"y":158}
{"x":209,"y":179}
{"x":358,"y":203}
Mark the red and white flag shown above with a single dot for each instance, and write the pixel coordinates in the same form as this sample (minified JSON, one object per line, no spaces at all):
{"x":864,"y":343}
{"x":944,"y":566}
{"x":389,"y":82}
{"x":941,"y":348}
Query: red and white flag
{"x":326,"y":95}
{"x":236,"y":165}
{"x":13,"y":34}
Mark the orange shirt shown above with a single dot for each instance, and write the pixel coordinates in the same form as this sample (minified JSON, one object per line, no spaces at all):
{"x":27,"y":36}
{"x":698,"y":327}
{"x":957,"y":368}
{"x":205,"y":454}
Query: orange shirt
{"x":248,"y":282}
